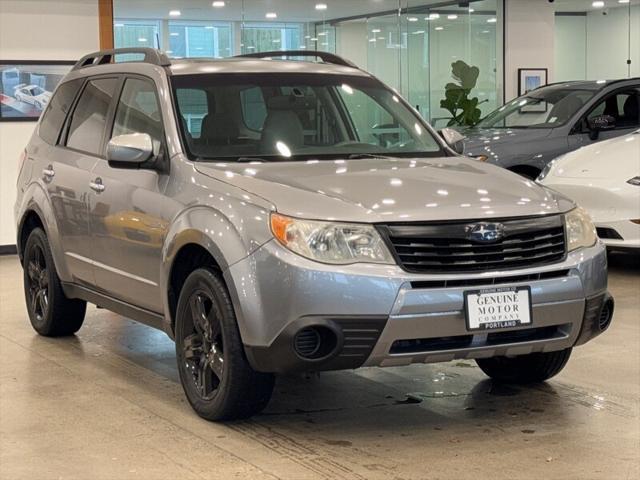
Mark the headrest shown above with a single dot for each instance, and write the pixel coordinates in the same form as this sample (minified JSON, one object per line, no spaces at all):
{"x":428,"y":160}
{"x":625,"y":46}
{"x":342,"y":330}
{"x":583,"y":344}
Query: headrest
{"x":291,"y":102}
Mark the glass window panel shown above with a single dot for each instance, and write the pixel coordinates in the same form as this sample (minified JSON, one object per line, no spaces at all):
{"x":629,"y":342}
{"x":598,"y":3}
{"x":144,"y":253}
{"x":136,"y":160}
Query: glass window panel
{"x":138,"y":110}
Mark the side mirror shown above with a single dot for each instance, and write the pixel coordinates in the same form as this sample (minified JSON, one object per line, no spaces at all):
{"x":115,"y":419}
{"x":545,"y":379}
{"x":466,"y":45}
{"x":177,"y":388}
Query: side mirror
{"x":129,"y":151}
{"x":453,"y":138}
{"x":598,"y":123}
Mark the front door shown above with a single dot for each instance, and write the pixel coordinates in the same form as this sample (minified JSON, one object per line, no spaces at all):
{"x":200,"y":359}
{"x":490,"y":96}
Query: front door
{"x":622,"y":105}
{"x":128,"y":214}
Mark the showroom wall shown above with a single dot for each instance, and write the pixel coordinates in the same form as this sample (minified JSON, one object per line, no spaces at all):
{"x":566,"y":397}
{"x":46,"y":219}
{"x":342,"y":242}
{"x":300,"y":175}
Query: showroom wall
{"x":592,"y":46}
{"x":37,"y":30}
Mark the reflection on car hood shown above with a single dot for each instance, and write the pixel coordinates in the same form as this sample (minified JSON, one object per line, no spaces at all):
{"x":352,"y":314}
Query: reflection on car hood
{"x":383,"y":190}
{"x":482,"y":141}
{"x":615,"y":158}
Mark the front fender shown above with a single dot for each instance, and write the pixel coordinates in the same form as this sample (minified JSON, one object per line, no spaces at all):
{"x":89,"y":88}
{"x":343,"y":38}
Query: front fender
{"x":228,"y":242}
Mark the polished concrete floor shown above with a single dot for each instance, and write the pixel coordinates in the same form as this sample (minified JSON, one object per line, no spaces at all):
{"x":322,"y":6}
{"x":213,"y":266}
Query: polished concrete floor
{"x":107,"y":404}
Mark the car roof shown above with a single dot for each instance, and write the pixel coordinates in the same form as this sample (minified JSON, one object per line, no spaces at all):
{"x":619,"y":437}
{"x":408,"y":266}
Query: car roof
{"x":192,"y":66}
{"x":592,"y":85}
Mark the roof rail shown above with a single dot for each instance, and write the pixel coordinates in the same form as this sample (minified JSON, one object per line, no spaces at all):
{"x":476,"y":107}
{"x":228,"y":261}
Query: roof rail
{"x":151,"y":55}
{"x":324,"y":56}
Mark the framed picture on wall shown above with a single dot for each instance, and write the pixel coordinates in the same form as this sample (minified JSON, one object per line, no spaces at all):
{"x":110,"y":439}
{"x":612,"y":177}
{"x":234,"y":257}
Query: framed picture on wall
{"x":530,"y":79}
{"x":26,"y":87}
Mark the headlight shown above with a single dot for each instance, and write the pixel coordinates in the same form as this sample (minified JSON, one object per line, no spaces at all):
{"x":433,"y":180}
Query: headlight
{"x":634,"y":181}
{"x":580,"y":229}
{"x":328,"y":242}
{"x":547,"y":168}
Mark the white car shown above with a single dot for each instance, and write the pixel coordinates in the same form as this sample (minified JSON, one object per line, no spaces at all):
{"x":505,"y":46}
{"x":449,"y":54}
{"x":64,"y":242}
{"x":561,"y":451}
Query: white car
{"x":603,"y":178}
{"x":33,"y":94}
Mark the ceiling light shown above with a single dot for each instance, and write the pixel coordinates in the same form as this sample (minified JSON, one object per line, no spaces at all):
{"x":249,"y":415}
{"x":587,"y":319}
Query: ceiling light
{"x":271,"y":15}
{"x":322,"y":34}
{"x":597,"y":4}
{"x":117,"y":25}
{"x":174,"y":34}
{"x":412,"y":19}
{"x":217,"y":4}
{"x":375,"y":30}
{"x":209,"y":27}
{"x":433,"y":16}
{"x":492,"y":20}
{"x":175,"y":13}
{"x":439,"y":28}
{"x":623,"y":1}
{"x":142,"y":39}
{"x":418,"y":32}
{"x":321,"y":6}
{"x":452,"y":17}
{"x":471,"y":10}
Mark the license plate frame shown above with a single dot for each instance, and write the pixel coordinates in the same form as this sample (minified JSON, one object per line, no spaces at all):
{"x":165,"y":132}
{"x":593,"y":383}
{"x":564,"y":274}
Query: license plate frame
{"x":498,"y":325}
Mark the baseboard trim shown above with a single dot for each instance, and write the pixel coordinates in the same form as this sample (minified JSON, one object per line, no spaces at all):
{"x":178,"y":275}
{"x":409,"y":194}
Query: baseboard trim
{"x":8,"y":250}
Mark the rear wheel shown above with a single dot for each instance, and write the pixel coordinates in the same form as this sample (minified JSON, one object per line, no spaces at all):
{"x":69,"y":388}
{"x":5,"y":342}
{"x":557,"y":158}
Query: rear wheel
{"x":531,"y":368}
{"x":51,"y":313}
{"x":217,"y":379}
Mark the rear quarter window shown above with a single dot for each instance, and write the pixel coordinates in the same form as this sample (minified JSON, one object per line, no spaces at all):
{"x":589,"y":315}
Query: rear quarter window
{"x":56,"y":112}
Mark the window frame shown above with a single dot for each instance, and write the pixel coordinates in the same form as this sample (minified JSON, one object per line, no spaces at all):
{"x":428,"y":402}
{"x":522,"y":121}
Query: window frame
{"x":580,"y":125}
{"x":64,"y":134}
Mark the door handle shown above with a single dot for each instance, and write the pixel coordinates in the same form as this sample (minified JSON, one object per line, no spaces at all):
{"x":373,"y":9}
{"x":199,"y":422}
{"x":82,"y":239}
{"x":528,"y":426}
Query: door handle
{"x":48,"y":173}
{"x":97,"y":185}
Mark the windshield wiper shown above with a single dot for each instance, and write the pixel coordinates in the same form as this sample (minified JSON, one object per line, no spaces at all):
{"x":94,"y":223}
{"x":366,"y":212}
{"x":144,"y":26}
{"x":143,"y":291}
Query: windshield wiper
{"x":358,"y":156}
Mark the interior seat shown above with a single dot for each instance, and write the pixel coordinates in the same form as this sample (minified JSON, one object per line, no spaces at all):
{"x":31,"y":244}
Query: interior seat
{"x":282,"y":125}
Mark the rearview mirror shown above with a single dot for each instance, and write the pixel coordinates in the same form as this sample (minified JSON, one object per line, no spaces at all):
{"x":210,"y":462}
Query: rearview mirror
{"x":598,"y":123}
{"x":129,"y":151}
{"x":453,"y":138}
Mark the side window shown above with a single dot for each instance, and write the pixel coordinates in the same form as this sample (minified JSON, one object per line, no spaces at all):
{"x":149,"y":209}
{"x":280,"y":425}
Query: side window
{"x":622,"y":106}
{"x":254,"y":109}
{"x":138,"y":111}
{"x":193,"y":108}
{"x":90,"y":116}
{"x":54,"y":116}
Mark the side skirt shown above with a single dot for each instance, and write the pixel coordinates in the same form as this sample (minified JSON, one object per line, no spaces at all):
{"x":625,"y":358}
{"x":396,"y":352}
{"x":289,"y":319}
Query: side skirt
{"x":152,"y":319}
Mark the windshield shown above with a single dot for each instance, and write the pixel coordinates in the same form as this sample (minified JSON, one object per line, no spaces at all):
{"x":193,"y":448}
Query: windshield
{"x":545,"y":107}
{"x":36,"y":91}
{"x":296,"y":116}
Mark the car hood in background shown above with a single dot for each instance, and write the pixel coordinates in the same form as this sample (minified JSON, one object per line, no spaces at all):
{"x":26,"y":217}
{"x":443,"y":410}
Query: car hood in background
{"x":615,"y":158}
{"x":492,"y":141}
{"x":384,"y":190}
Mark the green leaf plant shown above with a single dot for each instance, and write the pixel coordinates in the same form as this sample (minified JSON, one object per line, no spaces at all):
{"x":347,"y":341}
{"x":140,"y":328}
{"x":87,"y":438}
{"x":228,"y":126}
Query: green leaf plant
{"x":464,"y":110}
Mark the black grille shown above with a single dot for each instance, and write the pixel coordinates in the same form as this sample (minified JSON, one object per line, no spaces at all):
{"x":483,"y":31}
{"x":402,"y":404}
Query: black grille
{"x":445,"y":248}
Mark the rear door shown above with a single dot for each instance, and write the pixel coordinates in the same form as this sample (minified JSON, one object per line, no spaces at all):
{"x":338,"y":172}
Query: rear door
{"x":129,"y":217}
{"x":67,"y":170}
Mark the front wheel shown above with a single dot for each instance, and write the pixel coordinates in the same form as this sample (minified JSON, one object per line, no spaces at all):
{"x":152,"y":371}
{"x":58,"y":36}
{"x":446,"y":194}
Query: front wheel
{"x":215,"y":375}
{"x":531,"y":368}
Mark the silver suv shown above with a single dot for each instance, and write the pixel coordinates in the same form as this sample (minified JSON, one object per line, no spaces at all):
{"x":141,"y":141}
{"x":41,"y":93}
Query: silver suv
{"x":277,"y":216}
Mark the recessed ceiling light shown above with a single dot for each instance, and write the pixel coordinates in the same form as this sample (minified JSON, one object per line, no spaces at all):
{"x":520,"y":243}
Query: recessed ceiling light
{"x":418,"y":32}
{"x":452,"y":17}
{"x":375,"y":30}
{"x":492,"y":20}
{"x":623,"y":1}
{"x":412,"y":19}
{"x":321,"y":6}
{"x":118,"y":25}
{"x":271,"y":15}
{"x":174,"y":34}
{"x":433,"y":16}
{"x":142,"y":39}
{"x":209,"y":27}
{"x":175,"y":13}
{"x":322,"y":34}
{"x":439,"y":28}
{"x":217,"y":4}
{"x":597,"y":4}
{"x":471,"y":10}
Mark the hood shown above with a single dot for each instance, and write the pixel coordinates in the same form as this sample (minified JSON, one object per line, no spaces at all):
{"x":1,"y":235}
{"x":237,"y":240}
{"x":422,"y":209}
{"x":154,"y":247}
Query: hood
{"x":384,"y":190}
{"x":487,"y":141}
{"x":615,"y":158}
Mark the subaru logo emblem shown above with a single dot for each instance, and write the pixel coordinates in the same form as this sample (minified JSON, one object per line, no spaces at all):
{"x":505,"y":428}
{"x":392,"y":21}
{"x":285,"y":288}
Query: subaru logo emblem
{"x":485,"y":232}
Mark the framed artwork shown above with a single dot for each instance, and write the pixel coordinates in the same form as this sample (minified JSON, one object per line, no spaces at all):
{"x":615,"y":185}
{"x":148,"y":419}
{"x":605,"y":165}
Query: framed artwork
{"x":26,"y":87}
{"x":530,"y":79}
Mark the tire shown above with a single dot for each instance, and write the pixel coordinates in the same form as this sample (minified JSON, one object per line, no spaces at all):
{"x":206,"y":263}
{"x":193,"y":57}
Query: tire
{"x":531,"y":368}
{"x":51,"y":313}
{"x":216,"y":377}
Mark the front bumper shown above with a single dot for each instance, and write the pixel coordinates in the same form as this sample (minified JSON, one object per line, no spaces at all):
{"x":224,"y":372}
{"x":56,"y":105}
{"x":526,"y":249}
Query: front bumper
{"x":623,"y":234}
{"x":383,"y":316}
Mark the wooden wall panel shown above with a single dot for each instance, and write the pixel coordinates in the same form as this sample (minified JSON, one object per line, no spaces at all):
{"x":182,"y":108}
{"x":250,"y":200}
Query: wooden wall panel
{"x":105,"y":22}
